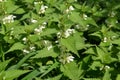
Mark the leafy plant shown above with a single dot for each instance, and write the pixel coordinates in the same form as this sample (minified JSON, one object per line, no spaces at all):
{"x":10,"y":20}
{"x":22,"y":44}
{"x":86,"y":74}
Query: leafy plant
{"x":59,"y":39}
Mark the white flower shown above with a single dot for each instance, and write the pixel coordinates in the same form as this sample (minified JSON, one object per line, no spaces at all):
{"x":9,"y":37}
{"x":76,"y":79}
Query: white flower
{"x":58,"y":34}
{"x":105,"y":39}
{"x":48,"y":44}
{"x":71,"y":8}
{"x":107,"y":67}
{"x":69,"y":59}
{"x":44,"y":23}
{"x":26,"y":51}
{"x":85,"y":16}
{"x":2,"y":0}
{"x":24,"y":39}
{"x":8,"y":19}
{"x":49,"y":47}
{"x":39,"y":30}
{"x":32,"y":48}
{"x":68,"y":32}
{"x":66,"y":58}
{"x":33,"y":20}
{"x":43,"y":9}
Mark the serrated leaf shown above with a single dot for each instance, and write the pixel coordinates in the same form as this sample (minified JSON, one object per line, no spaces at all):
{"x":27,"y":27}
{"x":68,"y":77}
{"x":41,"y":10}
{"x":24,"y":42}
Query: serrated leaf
{"x":79,"y":41}
{"x":19,"y":11}
{"x":18,"y":30}
{"x":75,"y":17}
{"x":4,"y":64}
{"x":90,"y":51}
{"x":10,"y":5}
{"x":33,"y":38}
{"x":46,"y":53}
{"x":48,"y":31}
{"x":69,"y":43}
{"x":117,"y":41}
{"x":16,"y":46}
{"x":71,"y":70}
{"x":96,"y":64}
{"x":104,"y":57}
{"x":91,"y":21}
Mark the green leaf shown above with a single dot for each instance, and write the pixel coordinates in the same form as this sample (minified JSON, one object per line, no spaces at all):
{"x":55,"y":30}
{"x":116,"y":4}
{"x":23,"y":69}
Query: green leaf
{"x":46,"y":53}
{"x":96,"y":64}
{"x":104,"y":56}
{"x":32,"y":75}
{"x":79,"y":41}
{"x":90,"y":51}
{"x":16,"y":46}
{"x":10,"y":6}
{"x":33,"y":38}
{"x":19,"y":11}
{"x":28,"y":1}
{"x":72,"y":71}
{"x":4,"y":64}
{"x":92,"y":79}
{"x":56,"y":77}
{"x":12,"y":74}
{"x":117,"y":41}
{"x":18,"y":30}
{"x":23,"y":60}
{"x":107,"y":76}
{"x":75,"y":17}
{"x":91,"y":21}
{"x":49,"y":69}
{"x":118,"y":77}
{"x":69,"y":43}
{"x":48,"y":31}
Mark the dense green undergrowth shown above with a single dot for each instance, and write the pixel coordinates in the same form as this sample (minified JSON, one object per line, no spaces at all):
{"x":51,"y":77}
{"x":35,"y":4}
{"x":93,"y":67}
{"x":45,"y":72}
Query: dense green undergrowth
{"x":59,"y":40}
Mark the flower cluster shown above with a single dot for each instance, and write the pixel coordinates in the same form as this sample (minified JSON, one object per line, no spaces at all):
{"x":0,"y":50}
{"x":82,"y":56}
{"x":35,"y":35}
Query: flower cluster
{"x":66,"y":58}
{"x":28,"y":50}
{"x":68,"y":32}
{"x":8,"y":19}
{"x":43,"y":9}
{"x":48,"y":44}
{"x":40,"y":28}
{"x":71,"y":8}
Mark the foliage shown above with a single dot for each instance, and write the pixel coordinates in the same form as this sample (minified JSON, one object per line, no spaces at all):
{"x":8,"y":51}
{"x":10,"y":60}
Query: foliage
{"x":59,"y":39}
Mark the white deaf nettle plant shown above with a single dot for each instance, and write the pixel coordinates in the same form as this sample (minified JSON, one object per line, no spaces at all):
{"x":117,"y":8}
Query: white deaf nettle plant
{"x":29,"y":49}
{"x":40,"y":28}
{"x":33,"y":21}
{"x":70,"y":8}
{"x":26,"y":51}
{"x":68,"y":32}
{"x":105,"y":39}
{"x":43,"y":9}
{"x":24,"y":40}
{"x":48,"y":44}
{"x":8,"y":19}
{"x":85,"y":16}
{"x":66,"y":58}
